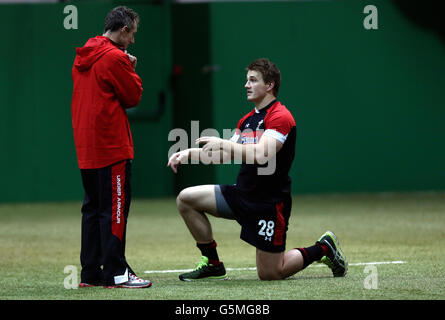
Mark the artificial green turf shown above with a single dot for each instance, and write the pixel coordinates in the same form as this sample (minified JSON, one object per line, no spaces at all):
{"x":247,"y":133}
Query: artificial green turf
{"x":37,"y":241}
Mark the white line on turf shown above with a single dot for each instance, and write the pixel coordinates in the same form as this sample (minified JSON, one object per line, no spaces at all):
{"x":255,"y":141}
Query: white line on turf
{"x":254,"y":268}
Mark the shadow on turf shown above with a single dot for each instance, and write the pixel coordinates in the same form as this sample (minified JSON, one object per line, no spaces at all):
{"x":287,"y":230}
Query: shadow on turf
{"x":292,"y":278}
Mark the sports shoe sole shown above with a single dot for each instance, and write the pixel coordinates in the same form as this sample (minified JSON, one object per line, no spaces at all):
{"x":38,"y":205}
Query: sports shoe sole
{"x":224,"y":277}
{"x":129,"y":287}
{"x":87,"y":285}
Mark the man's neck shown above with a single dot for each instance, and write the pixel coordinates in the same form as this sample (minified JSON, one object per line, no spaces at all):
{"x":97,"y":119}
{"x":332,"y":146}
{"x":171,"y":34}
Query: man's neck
{"x":112,"y":36}
{"x":265,"y":102}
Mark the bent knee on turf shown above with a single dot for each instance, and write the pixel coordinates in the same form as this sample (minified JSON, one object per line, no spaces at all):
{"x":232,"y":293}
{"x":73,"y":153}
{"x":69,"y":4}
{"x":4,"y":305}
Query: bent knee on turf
{"x":270,"y":275}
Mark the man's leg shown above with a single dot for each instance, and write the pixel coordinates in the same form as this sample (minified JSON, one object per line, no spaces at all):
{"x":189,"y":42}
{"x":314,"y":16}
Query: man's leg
{"x":90,"y":252}
{"x":277,"y":266}
{"x":113,"y":221}
{"x":114,"y":210}
{"x":193,"y":204}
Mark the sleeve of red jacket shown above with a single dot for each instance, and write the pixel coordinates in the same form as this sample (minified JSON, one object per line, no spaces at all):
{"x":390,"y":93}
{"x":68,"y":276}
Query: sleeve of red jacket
{"x":121,"y":76}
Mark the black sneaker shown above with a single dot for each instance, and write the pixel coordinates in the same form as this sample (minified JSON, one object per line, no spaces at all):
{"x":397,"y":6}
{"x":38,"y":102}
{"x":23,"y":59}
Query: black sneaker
{"x":334,"y":258}
{"x":204,"y":270}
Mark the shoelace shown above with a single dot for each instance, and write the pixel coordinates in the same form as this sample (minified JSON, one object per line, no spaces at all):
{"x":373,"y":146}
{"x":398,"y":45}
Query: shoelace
{"x":133,"y":277}
{"x":201,"y":264}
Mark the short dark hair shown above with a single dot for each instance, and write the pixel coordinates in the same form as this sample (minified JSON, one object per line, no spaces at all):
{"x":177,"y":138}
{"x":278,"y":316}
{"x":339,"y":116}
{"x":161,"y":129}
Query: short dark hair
{"x":119,"y":17}
{"x":269,"y":71}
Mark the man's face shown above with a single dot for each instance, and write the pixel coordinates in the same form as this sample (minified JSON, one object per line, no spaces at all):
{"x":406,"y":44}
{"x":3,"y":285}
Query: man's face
{"x":127,"y":35}
{"x":255,"y":86}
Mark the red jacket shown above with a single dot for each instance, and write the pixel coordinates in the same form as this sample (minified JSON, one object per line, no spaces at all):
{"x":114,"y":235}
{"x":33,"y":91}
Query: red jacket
{"x":104,"y":85}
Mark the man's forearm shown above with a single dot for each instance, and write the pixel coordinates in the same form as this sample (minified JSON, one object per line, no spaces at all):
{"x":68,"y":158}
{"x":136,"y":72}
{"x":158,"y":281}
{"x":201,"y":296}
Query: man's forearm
{"x":213,"y":157}
{"x":230,"y":151}
{"x":194,"y":154}
{"x":242,"y":153}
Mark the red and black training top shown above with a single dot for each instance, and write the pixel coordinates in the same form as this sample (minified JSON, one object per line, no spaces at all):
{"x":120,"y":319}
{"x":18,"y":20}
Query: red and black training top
{"x":269,"y":181}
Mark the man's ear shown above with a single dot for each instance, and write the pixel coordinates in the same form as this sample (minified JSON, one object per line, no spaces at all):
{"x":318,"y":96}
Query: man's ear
{"x":270,"y":86}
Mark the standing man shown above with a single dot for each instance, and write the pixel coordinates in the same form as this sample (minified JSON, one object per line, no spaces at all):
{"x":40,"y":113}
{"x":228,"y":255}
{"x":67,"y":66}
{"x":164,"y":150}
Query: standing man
{"x":104,"y":85}
{"x":260,"y":200}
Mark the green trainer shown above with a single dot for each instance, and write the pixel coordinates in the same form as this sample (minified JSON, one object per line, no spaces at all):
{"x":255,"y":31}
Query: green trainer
{"x":204,"y":270}
{"x":334,"y":259}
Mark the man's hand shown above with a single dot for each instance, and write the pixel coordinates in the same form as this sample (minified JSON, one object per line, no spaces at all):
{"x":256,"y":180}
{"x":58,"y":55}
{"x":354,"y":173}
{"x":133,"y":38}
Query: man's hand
{"x":211,"y":143}
{"x":177,"y":158}
{"x":133,"y":60}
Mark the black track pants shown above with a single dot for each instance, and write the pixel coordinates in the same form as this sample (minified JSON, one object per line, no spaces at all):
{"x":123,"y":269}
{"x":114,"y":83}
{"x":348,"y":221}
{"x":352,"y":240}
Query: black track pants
{"x":104,"y":219}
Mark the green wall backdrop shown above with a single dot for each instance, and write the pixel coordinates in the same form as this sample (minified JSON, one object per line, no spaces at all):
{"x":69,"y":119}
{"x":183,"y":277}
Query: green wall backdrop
{"x":369,"y":104}
{"x":38,"y":154}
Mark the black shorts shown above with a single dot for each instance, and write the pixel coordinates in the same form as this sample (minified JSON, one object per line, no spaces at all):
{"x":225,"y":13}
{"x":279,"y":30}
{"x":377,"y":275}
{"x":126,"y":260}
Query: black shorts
{"x":263,"y":223}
